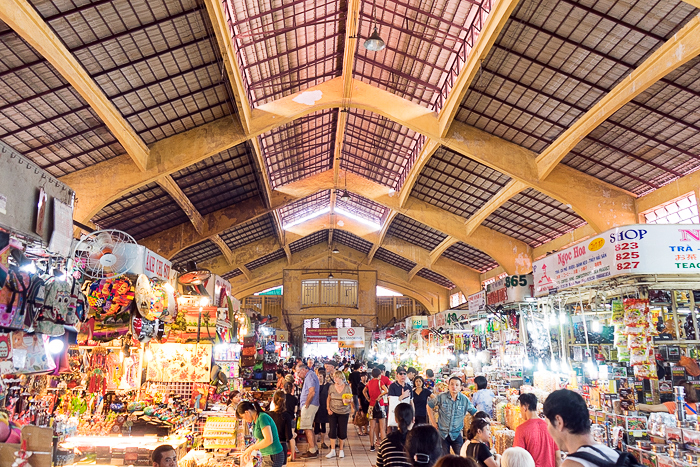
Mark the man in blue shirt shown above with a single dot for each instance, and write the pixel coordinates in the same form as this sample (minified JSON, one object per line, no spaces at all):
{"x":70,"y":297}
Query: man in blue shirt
{"x":452,"y":408}
{"x":309,"y":401}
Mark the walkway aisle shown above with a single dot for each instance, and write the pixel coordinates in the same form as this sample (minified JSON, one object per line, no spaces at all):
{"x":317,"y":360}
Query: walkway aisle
{"x":357,"y":454}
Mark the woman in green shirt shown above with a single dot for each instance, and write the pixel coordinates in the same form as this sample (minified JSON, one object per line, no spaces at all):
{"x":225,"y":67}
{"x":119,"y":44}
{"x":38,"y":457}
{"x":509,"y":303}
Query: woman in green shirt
{"x":265,"y":432}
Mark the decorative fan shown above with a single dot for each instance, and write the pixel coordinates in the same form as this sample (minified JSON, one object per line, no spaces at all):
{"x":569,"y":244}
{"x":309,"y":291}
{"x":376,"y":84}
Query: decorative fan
{"x":194,"y":280}
{"x":104,"y":254}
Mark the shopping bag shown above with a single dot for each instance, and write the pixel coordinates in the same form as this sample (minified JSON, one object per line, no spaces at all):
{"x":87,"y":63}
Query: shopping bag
{"x":390,"y":418}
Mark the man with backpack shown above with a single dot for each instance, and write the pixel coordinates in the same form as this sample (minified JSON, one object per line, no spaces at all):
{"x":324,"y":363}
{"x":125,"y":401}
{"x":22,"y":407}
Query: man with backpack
{"x":569,"y":425}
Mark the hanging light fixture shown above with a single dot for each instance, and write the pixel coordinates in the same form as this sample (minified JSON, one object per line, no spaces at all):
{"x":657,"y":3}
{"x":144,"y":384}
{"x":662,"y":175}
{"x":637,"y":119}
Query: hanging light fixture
{"x":336,"y":250}
{"x":374,"y":43}
{"x":345,"y":196}
{"x":330,"y":275}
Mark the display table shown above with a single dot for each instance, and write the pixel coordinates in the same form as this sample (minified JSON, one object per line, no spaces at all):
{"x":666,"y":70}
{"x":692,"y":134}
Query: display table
{"x":120,"y":450}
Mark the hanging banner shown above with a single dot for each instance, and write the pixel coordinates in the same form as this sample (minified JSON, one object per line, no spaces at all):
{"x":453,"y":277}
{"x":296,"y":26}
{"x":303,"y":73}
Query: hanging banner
{"x":316,"y":335}
{"x":510,"y":289}
{"x":477,"y":302}
{"x":632,"y":249}
{"x":349,"y":338}
{"x":179,"y":363}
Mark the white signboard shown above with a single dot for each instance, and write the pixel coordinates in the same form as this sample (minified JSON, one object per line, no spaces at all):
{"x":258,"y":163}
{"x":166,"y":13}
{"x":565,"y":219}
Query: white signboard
{"x":351,"y":337}
{"x":632,"y":249}
{"x":510,"y":289}
{"x":477,"y":302}
{"x":148,"y":263}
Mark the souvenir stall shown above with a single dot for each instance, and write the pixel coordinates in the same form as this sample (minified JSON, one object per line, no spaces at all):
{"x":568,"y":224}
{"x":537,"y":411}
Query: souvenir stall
{"x":41,"y":307}
{"x":629,"y":294}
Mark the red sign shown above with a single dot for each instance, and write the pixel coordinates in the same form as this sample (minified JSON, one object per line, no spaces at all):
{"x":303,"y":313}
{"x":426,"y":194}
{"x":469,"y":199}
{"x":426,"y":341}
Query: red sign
{"x":351,"y":332}
{"x":322,"y":332}
{"x":319,"y":339}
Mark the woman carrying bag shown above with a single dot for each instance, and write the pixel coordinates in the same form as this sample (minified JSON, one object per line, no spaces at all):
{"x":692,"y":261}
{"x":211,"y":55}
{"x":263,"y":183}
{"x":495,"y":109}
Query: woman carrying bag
{"x":339,"y":400}
{"x":479,"y":435}
{"x":265,"y":433}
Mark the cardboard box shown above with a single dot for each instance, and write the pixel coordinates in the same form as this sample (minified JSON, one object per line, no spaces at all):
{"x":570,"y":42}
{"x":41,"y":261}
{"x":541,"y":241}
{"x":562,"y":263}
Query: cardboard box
{"x":39,"y":441}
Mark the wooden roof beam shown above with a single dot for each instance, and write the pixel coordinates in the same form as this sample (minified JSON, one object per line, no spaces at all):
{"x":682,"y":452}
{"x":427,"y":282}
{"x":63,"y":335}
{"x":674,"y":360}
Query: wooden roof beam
{"x":511,"y":189}
{"x":682,"y":47}
{"x":493,"y":25}
{"x":21,"y":16}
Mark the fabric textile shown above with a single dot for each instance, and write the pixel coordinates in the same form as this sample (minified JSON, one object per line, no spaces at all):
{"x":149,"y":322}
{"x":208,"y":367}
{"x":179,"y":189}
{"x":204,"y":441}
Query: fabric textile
{"x":535,"y":439}
{"x":606,"y":455}
{"x":310,"y":381}
{"x":454,"y":443}
{"x":390,"y":452}
{"x":420,"y":403}
{"x":483,"y":400}
{"x":322,"y":413}
{"x":275,"y":460}
{"x":336,"y":399}
{"x":283,"y":422}
{"x":338,"y":424}
{"x":479,"y":452}
{"x":306,"y":420}
{"x":671,"y":406}
{"x":374,"y":387}
{"x":263,"y":421}
{"x":451,"y":413}
{"x":355,"y":381}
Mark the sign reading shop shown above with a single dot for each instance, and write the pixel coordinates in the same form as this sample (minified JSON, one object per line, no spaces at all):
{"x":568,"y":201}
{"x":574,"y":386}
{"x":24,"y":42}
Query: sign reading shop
{"x":632,"y":249}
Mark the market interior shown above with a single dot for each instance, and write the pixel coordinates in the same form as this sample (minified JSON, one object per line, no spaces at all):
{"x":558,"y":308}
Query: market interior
{"x":203,"y":202}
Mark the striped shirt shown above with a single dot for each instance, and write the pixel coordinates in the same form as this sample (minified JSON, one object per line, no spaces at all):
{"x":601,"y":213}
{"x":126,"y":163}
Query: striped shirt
{"x":390,"y":452}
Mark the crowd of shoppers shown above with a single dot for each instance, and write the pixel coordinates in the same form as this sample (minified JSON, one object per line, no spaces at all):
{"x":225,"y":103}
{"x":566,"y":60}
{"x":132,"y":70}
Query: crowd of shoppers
{"x":332,"y":395}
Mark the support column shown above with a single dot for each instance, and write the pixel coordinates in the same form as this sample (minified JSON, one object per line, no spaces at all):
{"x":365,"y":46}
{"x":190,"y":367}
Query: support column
{"x":367,"y":296}
{"x":291,"y":305}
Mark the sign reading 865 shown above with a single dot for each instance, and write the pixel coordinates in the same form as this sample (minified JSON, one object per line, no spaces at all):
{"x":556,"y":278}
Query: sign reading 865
{"x":516,"y":281}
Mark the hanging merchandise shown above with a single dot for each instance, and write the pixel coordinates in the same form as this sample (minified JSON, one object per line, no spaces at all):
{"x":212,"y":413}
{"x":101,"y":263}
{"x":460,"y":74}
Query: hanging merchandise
{"x":145,"y":298}
{"x":110,"y":298}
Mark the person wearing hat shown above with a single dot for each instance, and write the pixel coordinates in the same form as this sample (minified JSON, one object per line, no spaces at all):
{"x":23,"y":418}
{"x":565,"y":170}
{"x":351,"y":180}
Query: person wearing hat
{"x":330,"y":367}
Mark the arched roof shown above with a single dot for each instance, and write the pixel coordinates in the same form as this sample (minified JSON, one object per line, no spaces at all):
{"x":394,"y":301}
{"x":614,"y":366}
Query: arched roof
{"x":485,"y":134}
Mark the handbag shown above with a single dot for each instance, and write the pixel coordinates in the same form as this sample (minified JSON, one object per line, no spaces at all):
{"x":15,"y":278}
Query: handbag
{"x":360,"y":419}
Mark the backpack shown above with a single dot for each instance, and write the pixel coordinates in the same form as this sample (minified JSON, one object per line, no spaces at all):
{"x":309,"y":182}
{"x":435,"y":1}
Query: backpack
{"x":34,"y":302}
{"x":60,"y":308}
{"x":625,"y":460}
{"x":12,"y":298}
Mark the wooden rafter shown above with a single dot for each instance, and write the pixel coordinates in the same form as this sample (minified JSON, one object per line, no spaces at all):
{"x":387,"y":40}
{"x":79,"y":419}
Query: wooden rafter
{"x":21,"y":16}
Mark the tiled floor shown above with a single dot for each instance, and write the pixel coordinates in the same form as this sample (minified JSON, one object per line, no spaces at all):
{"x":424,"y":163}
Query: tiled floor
{"x":356,"y":449}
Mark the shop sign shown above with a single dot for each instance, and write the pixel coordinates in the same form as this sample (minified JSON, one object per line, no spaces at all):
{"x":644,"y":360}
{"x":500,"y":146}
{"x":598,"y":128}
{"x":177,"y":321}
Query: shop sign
{"x":222,"y":289}
{"x":454,"y":317}
{"x":382,"y":334}
{"x":510,"y":289}
{"x":321,"y":332}
{"x":416,"y":322}
{"x":351,"y":337}
{"x":477,"y":302}
{"x":282,"y":336}
{"x":632,"y":249}
{"x":148,"y":263}
{"x":321,"y":339}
